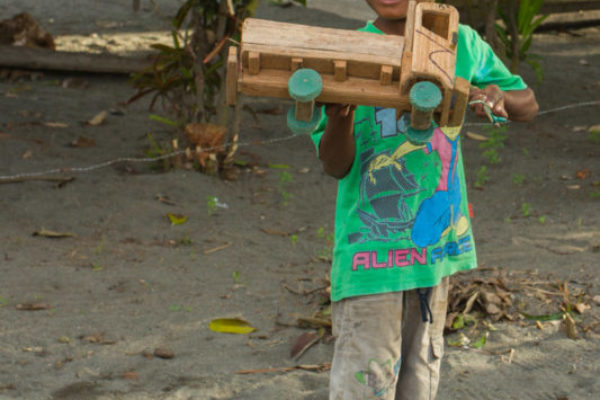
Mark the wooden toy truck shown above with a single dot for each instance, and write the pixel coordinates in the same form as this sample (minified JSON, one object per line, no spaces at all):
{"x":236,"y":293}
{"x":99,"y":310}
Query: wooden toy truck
{"x":412,"y":73}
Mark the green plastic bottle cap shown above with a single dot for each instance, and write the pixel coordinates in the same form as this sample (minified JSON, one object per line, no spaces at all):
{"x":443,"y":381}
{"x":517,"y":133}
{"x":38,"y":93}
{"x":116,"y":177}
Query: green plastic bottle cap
{"x":302,"y":127}
{"x":305,"y":85}
{"x":425,"y":96}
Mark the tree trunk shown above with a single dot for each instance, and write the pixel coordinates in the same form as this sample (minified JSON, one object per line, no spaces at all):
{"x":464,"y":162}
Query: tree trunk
{"x":199,"y":47}
{"x":513,"y":10}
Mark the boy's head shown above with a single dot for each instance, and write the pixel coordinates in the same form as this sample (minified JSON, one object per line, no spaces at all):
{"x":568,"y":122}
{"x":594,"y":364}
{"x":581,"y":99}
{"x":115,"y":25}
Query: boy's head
{"x":390,"y":9}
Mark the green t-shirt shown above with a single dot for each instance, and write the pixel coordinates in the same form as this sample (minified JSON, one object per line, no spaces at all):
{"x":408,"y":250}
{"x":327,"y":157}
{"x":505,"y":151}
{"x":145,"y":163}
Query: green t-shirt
{"x":402,"y":216}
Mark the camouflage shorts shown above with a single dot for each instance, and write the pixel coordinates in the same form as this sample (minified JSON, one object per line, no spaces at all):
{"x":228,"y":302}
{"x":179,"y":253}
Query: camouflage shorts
{"x":384,"y":349}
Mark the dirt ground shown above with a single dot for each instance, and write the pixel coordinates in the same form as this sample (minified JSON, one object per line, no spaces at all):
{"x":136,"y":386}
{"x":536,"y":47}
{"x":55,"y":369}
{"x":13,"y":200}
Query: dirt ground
{"x":128,"y":281}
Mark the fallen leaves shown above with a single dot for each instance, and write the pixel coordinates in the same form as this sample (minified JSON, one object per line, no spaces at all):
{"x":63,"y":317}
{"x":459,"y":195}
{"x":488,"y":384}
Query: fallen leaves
{"x":98,"y":119}
{"x":308,"y":367}
{"x":231,"y":325}
{"x":177,"y":219}
{"x":83,"y":142}
{"x":32,"y":306}
{"x":52,"y":234}
{"x":96,"y":338}
{"x":130,"y":375}
{"x":304,"y":342}
{"x":583,"y":173}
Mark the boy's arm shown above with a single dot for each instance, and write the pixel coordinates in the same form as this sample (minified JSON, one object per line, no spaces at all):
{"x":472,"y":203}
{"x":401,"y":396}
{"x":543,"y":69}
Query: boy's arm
{"x":337,"y":148}
{"x":516,"y":105}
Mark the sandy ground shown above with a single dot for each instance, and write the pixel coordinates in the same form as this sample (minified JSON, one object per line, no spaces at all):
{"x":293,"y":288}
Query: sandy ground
{"x":129,"y":282}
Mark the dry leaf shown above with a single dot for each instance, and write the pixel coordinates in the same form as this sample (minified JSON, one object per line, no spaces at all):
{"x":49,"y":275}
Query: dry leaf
{"x":539,"y":325}
{"x":582,"y":307}
{"x":93,"y":338}
{"x":597,"y":299}
{"x":476,"y":136}
{"x":52,"y":234}
{"x":131,"y":375}
{"x":27,"y":155}
{"x":584,"y":173}
{"x":32,"y":306}
{"x":82,"y":142}
{"x":56,"y":125}
{"x":231,"y":325}
{"x":34,"y":349}
{"x":303,"y":343}
{"x":594,"y":128}
{"x":98,"y":118}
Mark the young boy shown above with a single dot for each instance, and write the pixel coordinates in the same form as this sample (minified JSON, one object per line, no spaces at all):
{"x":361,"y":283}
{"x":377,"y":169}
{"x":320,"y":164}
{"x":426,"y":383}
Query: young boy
{"x":402,"y":226}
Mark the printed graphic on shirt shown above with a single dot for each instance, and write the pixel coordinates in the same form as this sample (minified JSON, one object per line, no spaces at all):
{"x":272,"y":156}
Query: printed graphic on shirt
{"x":390,"y":178}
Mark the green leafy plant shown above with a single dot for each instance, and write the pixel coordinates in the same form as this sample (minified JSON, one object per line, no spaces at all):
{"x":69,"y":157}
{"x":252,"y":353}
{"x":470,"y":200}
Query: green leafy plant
{"x":518,"y":179}
{"x":211,"y":204}
{"x":326,"y":253}
{"x":492,"y":146}
{"x":483,"y":176}
{"x":520,"y":19}
{"x":284,"y":179}
{"x":594,"y":136}
{"x":187,"y":77}
{"x":526,"y":209}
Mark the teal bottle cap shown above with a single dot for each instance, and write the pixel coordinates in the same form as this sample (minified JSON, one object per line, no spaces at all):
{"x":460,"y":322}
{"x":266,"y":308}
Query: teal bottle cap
{"x":425,"y":96}
{"x":305,"y":85}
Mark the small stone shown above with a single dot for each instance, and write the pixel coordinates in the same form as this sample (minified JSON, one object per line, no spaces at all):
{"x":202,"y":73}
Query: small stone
{"x":162,"y":352}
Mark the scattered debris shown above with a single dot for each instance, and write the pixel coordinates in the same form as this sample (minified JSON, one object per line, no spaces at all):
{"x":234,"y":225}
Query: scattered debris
{"x":130,"y":375}
{"x":163,"y":352}
{"x":51,"y":124}
{"x":23,"y":30}
{"x":32,"y":306}
{"x":61,"y":181}
{"x":310,"y":367}
{"x":98,"y":119}
{"x":304,"y":342}
{"x":207,"y":141}
{"x":34,"y":349}
{"x":83,"y":142}
{"x":176,"y":219}
{"x":96,"y":338}
{"x":218,"y":248}
{"x":231,"y":325}
{"x":52,"y":234}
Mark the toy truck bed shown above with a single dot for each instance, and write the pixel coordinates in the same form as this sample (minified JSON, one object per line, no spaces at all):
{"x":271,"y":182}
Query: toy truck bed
{"x":356,"y":67}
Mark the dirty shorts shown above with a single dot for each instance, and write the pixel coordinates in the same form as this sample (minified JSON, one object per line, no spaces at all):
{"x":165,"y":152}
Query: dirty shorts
{"x":384,"y":349}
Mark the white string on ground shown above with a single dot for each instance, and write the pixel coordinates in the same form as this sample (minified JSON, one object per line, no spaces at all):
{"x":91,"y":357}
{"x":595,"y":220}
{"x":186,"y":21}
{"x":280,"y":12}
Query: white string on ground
{"x":180,"y":152}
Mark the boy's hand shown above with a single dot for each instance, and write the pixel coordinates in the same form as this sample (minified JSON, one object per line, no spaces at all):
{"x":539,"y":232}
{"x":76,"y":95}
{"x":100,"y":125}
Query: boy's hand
{"x":491,"y":95}
{"x":333,"y":110}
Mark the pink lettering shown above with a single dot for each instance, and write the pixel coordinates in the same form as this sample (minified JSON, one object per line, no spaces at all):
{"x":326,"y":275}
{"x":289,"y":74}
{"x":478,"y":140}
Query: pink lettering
{"x":374,"y":262}
{"x":361,"y":258}
{"x":420,"y":258}
{"x":400,"y":258}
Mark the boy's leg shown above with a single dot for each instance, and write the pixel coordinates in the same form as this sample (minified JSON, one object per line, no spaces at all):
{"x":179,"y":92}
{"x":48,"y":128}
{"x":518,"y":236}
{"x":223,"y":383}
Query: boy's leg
{"x":422,"y":345}
{"x":366,"y":356}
